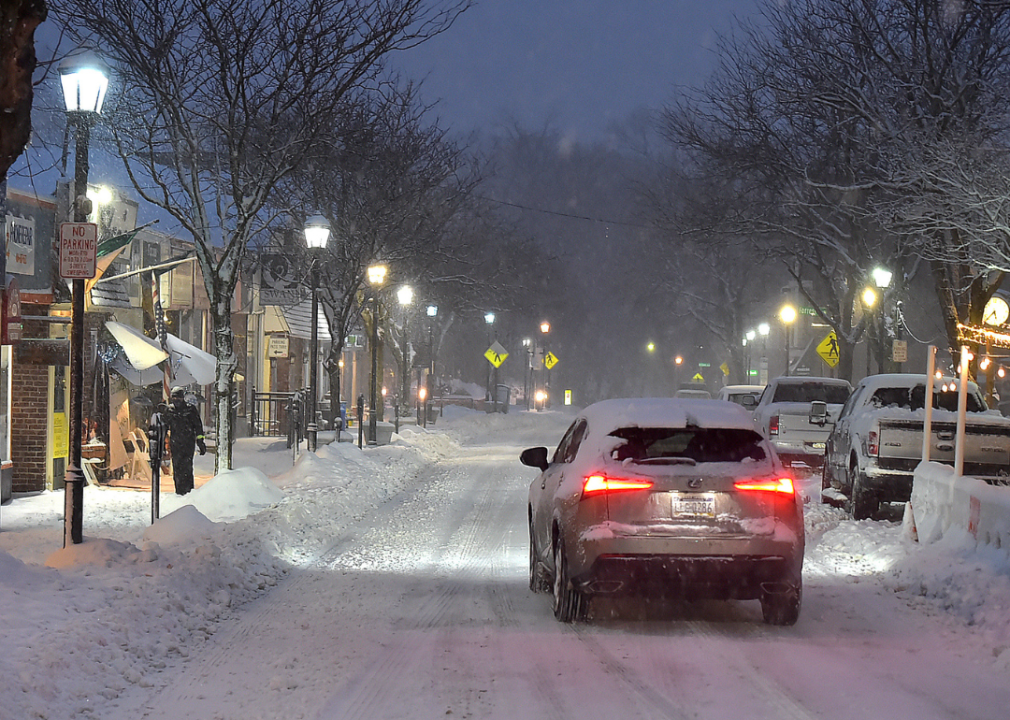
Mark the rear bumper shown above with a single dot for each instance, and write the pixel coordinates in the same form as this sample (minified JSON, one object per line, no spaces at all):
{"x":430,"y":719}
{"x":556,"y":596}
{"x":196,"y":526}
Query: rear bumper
{"x":888,"y":485}
{"x":730,"y":578}
{"x":717,"y":568}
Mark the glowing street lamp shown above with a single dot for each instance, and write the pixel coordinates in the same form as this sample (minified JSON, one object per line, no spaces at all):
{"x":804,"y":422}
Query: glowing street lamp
{"x":85,"y":80}
{"x":317,"y":232}
{"x":405,"y":295}
{"x":376,"y":277}
{"x":788,"y":316}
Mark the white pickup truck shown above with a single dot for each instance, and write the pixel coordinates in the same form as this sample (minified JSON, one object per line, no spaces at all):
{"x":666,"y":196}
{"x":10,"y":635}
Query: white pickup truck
{"x":877,"y":440}
{"x":797,"y":413}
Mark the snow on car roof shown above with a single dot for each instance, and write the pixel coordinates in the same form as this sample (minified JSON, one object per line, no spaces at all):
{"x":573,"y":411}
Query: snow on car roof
{"x":609,"y":415}
{"x":742,"y":388}
{"x":802,"y":379}
{"x":906,"y":380}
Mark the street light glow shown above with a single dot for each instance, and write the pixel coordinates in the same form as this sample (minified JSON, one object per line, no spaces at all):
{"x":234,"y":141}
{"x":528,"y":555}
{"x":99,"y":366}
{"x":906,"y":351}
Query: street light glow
{"x":678,"y":360}
{"x":489,"y":318}
{"x":85,"y":79}
{"x":869,"y":297}
{"x":881,"y":277}
{"x":750,"y":335}
{"x":432,"y":310}
{"x":377,"y":275}
{"x":787,"y":314}
{"x":405,"y":295}
{"x":651,"y":347}
{"x":545,"y":327}
{"x":317,"y":232}
{"x":764,"y":329}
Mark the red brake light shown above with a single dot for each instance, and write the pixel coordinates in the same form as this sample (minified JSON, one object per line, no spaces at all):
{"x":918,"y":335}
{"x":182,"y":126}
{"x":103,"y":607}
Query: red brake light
{"x":780,"y":485}
{"x":872,"y":443}
{"x":773,"y":425}
{"x":601,"y":483}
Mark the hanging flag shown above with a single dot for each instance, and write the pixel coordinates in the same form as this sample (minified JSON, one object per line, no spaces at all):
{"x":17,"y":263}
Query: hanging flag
{"x":108,"y":250}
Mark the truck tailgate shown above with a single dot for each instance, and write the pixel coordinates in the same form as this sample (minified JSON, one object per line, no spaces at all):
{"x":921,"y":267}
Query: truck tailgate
{"x":986,"y":451}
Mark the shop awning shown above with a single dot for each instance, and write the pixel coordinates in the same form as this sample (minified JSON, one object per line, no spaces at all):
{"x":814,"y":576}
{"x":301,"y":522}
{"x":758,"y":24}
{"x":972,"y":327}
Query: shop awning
{"x":189,"y":364}
{"x":140,"y":350}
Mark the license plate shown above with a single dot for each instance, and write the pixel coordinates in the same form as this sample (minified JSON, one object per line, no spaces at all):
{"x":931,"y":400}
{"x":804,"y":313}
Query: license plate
{"x":698,"y":506}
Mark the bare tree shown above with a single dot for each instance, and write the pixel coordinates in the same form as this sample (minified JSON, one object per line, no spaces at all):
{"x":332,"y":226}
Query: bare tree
{"x":220,"y":100}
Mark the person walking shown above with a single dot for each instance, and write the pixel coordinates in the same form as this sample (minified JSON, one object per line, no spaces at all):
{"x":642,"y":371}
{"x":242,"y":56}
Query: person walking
{"x":185,"y":430}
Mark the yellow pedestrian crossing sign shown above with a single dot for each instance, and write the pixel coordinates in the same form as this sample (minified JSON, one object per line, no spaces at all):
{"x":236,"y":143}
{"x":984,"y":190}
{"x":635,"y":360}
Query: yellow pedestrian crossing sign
{"x":828,"y":349}
{"x":496,"y":354}
{"x":550,"y":360}
{"x":698,"y":377}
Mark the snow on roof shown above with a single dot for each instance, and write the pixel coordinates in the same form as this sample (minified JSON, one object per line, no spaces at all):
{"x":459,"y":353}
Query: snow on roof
{"x":803,"y":379}
{"x":742,"y":388}
{"x":609,"y":415}
{"x":906,"y":380}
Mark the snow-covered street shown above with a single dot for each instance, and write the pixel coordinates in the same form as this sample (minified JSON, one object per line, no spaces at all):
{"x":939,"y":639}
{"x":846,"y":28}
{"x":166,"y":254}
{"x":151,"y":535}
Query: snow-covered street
{"x":392,"y":583}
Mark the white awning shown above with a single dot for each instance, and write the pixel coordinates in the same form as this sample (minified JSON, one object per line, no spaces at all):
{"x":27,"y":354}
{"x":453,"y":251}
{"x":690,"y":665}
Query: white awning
{"x":189,"y":363}
{"x":141,"y":351}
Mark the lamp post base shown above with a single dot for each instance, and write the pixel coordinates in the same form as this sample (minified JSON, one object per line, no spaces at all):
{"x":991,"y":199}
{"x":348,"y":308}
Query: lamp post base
{"x":74,"y":501}
{"x":311,"y":434}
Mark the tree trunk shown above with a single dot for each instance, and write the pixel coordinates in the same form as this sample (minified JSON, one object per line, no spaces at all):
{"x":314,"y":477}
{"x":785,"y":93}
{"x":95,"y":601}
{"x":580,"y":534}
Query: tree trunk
{"x":18,"y":20}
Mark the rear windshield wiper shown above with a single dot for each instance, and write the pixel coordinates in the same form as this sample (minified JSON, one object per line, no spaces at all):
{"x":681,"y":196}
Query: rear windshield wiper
{"x":665,"y":461}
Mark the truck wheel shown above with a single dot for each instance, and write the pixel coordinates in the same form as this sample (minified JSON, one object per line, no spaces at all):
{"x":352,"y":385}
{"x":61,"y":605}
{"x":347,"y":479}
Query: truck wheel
{"x":862,"y":503}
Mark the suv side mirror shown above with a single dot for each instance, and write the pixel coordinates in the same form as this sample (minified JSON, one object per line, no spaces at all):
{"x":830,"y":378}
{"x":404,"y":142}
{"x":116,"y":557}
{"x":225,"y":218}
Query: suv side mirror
{"x":818,"y":412}
{"x":534,"y":457}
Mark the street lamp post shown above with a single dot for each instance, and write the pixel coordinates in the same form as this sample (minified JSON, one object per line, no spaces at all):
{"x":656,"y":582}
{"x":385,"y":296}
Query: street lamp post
{"x":432,"y":314}
{"x":545,"y":329}
{"x":85,"y":79}
{"x":376,"y":277}
{"x":882,"y":279}
{"x":869,"y":300}
{"x":406,"y":296}
{"x":763,"y":330}
{"x":528,"y":347}
{"x":317,"y":232}
{"x":788,"y":316}
{"x":749,"y":338}
{"x":678,"y":362}
{"x":491,"y":395}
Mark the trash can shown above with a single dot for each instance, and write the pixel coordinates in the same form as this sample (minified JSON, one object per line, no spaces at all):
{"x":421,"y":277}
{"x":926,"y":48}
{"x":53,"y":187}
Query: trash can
{"x":503,"y":394}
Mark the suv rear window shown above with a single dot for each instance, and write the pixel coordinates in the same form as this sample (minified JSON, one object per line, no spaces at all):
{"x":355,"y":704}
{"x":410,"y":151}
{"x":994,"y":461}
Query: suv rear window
{"x":809,"y":392}
{"x":702,"y":445}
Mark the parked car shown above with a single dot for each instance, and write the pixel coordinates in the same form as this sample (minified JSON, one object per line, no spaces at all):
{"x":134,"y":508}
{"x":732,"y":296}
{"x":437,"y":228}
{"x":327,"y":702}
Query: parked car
{"x":877,"y":440}
{"x":663,"y":496}
{"x":797,"y":413}
{"x":693,"y":394}
{"x":746,"y":395}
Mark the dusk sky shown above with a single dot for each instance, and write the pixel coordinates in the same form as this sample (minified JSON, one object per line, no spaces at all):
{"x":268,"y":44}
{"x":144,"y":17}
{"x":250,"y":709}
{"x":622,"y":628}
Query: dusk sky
{"x":576,"y":64}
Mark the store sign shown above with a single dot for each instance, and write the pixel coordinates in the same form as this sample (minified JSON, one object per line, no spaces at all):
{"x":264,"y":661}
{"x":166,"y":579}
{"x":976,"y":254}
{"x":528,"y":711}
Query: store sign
{"x":20,"y":245}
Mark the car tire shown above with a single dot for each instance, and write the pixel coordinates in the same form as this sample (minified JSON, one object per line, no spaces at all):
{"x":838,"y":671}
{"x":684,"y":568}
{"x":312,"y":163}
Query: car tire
{"x":862,"y":503}
{"x":782,"y":608}
{"x":568,"y":602}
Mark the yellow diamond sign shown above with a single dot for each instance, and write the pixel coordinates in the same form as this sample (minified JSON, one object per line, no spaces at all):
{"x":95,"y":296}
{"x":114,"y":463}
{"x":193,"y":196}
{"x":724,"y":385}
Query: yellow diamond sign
{"x":550,"y":360}
{"x":828,"y":349}
{"x":496,"y":354}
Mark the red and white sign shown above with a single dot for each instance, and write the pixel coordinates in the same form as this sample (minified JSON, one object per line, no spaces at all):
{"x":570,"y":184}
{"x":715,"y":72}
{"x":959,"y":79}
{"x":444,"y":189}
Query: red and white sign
{"x":78,"y":250}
